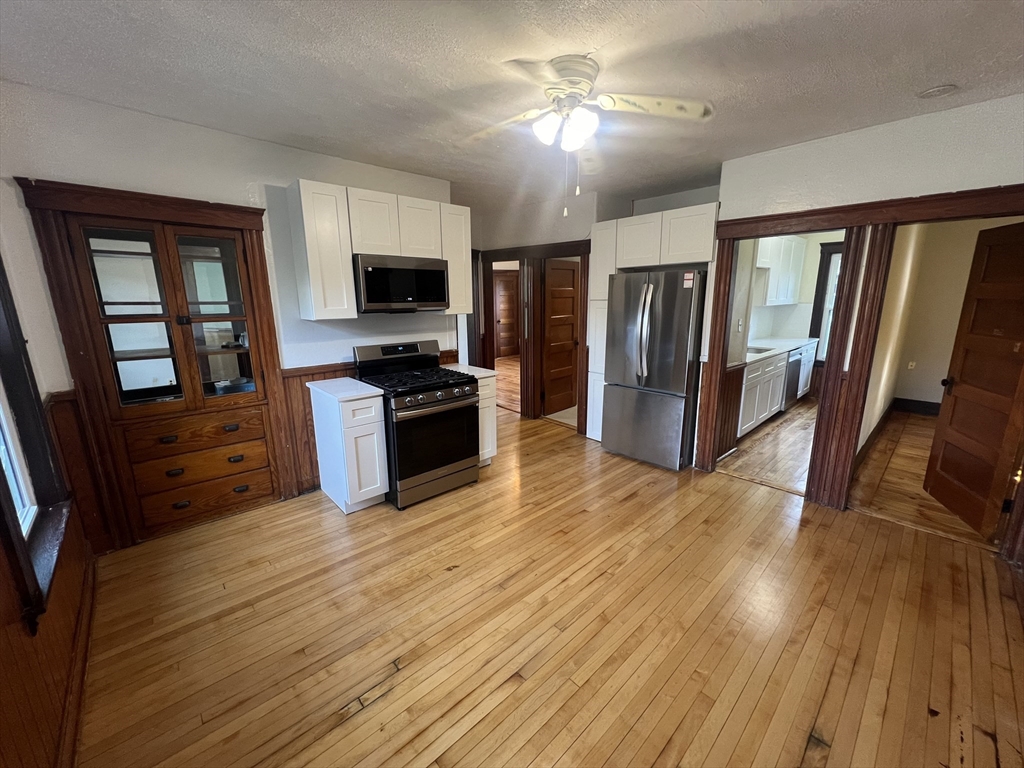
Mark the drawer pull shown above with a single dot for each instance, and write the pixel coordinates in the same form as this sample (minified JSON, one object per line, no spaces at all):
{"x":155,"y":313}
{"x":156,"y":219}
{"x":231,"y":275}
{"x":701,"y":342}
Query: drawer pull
{"x":241,"y":488}
{"x":168,"y":439}
{"x":181,"y":504}
{"x":236,"y":459}
{"x":230,"y":427}
{"x":175,"y":472}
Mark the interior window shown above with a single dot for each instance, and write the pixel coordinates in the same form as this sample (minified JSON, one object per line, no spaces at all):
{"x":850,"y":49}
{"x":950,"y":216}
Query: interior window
{"x":12,"y":461}
{"x":830,"y":303}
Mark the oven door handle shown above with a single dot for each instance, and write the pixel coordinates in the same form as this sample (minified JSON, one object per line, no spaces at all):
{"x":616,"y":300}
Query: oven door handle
{"x":413,"y":413}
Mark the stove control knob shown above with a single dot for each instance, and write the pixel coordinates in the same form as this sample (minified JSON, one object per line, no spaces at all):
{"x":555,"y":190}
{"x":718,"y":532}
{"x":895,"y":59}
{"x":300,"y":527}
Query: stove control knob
{"x":421,"y":399}
{"x":468,"y":390}
{"x":456,"y":391}
{"x":409,"y":401}
{"x":439,"y":395}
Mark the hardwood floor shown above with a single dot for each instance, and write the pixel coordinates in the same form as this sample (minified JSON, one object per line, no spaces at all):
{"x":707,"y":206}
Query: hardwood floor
{"x":572,"y":608}
{"x":777,"y":453}
{"x":566,"y":418}
{"x":508,"y":387}
{"x":890,"y":481}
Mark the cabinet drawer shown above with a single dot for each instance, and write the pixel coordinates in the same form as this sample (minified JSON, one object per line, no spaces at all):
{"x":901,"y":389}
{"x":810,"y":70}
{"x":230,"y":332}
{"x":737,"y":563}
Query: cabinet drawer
{"x":486,"y":387}
{"x":753,"y":371}
{"x":189,"y":468}
{"x":194,"y":433}
{"x":209,"y":499}
{"x":356,"y":413}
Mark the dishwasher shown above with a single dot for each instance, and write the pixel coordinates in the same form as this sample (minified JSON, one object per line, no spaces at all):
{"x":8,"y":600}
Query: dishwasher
{"x":792,"y":380}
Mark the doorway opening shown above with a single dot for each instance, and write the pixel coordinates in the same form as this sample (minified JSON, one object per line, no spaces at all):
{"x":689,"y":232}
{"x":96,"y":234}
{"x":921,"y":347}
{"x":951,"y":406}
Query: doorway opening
{"x":940,"y":440}
{"x":782,"y":303}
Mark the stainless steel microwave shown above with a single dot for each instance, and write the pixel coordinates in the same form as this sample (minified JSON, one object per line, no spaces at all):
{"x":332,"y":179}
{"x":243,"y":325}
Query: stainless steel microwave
{"x":400,"y":283}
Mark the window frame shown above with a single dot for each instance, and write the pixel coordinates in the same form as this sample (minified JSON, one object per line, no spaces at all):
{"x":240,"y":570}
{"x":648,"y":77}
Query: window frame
{"x":33,"y":556}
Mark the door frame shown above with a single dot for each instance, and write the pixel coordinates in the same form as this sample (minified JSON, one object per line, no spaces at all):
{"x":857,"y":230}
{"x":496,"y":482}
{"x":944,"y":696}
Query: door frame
{"x":531,"y":293}
{"x":870,"y":233}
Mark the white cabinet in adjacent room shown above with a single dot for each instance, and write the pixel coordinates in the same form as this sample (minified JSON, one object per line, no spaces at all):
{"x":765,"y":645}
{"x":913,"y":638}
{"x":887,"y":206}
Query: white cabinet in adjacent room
{"x":595,"y":405}
{"x":602,"y":258}
{"x":374,"y":222}
{"x":688,"y":234}
{"x":781,"y":261}
{"x":638,"y":241}
{"x":455,"y":249}
{"x":763,"y":388}
{"x":597,"y":335}
{"x":419,"y":227}
{"x":488,"y":429}
{"x":322,"y":250}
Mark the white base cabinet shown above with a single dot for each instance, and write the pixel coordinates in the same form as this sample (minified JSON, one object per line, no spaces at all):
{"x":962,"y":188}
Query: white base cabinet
{"x":351,"y":453}
{"x":764,"y":385}
{"x":488,"y":430}
{"x":595,"y":405}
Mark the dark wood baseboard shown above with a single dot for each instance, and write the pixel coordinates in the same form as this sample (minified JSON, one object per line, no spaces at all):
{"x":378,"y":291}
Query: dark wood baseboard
{"x":921,"y":407}
{"x":864,"y":449}
{"x":67,"y":747}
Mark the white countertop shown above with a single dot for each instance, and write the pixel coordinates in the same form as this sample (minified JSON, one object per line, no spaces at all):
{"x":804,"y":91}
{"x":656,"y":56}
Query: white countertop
{"x":345,"y":388}
{"x":472,"y":370}
{"x":776,"y":347}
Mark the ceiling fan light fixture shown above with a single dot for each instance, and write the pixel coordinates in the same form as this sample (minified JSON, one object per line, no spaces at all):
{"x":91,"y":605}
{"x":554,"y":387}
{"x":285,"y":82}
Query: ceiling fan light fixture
{"x":579,"y":126}
{"x":938,"y":91}
{"x":547,"y":127}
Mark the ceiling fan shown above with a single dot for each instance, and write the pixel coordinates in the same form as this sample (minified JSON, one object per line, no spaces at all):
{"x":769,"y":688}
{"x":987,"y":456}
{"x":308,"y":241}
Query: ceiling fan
{"x":568,"y":83}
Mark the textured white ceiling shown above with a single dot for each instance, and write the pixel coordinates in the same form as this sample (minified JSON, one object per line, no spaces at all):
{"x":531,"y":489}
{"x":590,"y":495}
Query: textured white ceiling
{"x":397,"y":84}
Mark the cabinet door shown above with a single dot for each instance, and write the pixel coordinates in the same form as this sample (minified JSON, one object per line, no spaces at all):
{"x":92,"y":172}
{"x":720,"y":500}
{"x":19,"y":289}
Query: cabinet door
{"x":455,"y":248}
{"x":776,"y":389}
{"x":796,"y":271}
{"x":595,"y":405}
{"x":806,"y":368}
{"x":638,"y":241}
{"x":366,"y":462}
{"x":748,"y":407}
{"x":688,"y":234}
{"x":374,"y":221}
{"x":768,"y":249}
{"x":602,"y":258}
{"x":488,"y":428}
{"x":763,"y":409}
{"x":597,"y":335}
{"x":322,"y":246}
{"x":419,"y":227}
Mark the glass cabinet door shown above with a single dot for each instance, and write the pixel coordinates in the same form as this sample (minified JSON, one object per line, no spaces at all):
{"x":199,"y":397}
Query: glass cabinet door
{"x":135,"y":313}
{"x":215,"y":288}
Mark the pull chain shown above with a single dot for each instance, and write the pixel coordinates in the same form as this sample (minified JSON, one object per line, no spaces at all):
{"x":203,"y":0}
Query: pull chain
{"x":577,"y":175}
{"x":565,"y":190}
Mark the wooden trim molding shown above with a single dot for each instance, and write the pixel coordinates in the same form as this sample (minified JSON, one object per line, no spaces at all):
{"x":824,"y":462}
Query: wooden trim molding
{"x":969,"y":204}
{"x":79,"y":198}
{"x":71,"y":723}
{"x":710,"y":413}
{"x":1013,"y":542}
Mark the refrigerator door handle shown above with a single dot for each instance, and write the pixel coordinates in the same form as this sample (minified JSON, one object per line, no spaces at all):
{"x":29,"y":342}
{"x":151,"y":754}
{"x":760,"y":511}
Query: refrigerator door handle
{"x":639,"y":332}
{"x":645,"y":335}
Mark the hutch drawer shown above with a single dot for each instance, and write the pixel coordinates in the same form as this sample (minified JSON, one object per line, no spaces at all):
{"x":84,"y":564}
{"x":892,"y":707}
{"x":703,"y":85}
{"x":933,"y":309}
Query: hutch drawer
{"x":184,"y":469}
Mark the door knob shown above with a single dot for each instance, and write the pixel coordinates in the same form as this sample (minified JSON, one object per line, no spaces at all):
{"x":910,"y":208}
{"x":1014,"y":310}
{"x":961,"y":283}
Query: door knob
{"x":948,"y":384}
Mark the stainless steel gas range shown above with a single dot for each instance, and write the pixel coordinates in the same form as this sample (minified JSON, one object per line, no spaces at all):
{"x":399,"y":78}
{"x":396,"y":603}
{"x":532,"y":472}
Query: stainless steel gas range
{"x":431,"y":419}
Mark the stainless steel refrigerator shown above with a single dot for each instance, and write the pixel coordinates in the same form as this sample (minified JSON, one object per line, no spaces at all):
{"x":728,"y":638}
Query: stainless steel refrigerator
{"x":652,"y":363}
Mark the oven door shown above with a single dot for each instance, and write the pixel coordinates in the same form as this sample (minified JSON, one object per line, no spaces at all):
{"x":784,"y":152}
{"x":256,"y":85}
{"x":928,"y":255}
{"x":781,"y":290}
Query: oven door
{"x":432,"y":441}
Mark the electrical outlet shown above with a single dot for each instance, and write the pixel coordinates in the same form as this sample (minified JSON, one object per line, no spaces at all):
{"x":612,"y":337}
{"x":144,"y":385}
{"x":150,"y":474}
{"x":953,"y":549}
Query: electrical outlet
{"x":911,"y":365}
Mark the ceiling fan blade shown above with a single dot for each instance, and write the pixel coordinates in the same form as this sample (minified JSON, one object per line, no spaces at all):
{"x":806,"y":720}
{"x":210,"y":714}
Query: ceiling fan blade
{"x":662,"y":106}
{"x":530,"y":114}
{"x":539,"y":72}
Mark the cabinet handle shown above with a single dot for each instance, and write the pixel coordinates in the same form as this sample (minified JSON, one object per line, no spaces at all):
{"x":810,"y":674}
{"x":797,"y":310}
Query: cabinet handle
{"x":236,"y":459}
{"x":241,"y":488}
{"x":181,"y":504}
{"x":167,"y":439}
{"x":175,"y":472}
{"x":230,"y":427}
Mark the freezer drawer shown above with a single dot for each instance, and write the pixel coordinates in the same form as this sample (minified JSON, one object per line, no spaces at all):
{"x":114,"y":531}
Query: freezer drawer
{"x":647,"y":426}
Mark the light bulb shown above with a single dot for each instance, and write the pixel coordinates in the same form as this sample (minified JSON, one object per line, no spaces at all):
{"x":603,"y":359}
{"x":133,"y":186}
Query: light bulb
{"x":547,"y":127}
{"x":580,"y":126}
{"x":565,"y":212}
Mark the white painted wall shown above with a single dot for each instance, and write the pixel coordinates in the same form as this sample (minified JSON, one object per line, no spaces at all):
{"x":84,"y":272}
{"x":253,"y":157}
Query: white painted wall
{"x":670,"y":202}
{"x":534,"y":223}
{"x":51,"y":136}
{"x":934,"y":312}
{"x":979,"y":145}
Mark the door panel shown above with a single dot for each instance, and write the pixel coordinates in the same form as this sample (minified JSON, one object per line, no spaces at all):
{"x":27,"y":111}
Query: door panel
{"x":622,"y":350}
{"x":975,"y":450}
{"x":561,"y":333}
{"x":506,"y":313}
{"x":668,"y":348}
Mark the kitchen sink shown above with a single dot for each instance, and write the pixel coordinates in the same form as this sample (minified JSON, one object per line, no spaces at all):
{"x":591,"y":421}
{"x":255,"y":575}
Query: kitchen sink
{"x":758,"y":350}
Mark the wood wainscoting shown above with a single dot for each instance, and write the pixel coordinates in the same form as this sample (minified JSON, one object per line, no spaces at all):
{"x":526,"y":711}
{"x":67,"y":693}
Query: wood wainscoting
{"x":729,"y":409}
{"x":43,"y":674}
{"x":300,"y":413}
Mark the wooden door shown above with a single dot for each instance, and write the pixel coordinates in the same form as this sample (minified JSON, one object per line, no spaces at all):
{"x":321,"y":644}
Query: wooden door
{"x":506,"y":313}
{"x":561,"y":334}
{"x":978,"y":437}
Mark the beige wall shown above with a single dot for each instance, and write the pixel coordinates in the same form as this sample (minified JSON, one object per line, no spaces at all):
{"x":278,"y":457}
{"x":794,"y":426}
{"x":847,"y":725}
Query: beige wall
{"x":934,"y":313}
{"x":739,"y":317}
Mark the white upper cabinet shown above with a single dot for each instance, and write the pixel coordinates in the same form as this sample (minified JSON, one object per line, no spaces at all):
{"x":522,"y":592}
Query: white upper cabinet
{"x":783,"y":258}
{"x":323,"y":250}
{"x":455,"y":248}
{"x":638,"y":241}
{"x":374,"y":222}
{"x":419,"y":224}
{"x":602,"y":258}
{"x":688,"y":234}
